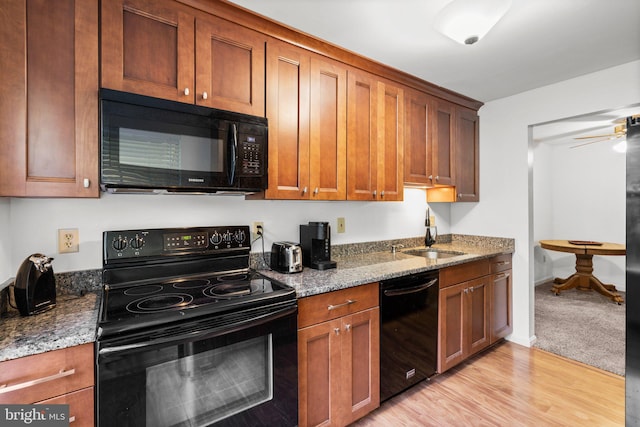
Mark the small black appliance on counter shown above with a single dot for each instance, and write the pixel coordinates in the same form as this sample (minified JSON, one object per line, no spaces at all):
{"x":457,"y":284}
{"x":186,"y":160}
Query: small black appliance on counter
{"x":35,"y":285}
{"x":286,"y":257}
{"x":315,"y":239}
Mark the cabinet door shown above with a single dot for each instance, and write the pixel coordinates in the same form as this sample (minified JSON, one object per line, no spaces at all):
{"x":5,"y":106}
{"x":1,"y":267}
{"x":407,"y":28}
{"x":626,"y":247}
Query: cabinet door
{"x":467,"y":156}
{"x":501,"y":306}
{"x":362,"y":136}
{"x":328,"y":127}
{"x":288,"y":114}
{"x":477,"y":312}
{"x":443,"y":136}
{"x":451,"y":345}
{"x":230,"y":66}
{"x":148,"y":48}
{"x":49,"y":108}
{"x":319,"y":376}
{"x":418,"y":141}
{"x":81,"y":406}
{"x":390,"y":142}
{"x":360,"y":364}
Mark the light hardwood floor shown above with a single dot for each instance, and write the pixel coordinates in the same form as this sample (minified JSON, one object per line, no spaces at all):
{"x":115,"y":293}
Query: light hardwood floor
{"x":509,"y":385}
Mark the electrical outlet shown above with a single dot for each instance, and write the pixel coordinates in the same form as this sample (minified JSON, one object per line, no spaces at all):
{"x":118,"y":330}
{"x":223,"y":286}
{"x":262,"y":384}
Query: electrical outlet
{"x":341,"y":225}
{"x":68,"y":240}
{"x":254,"y":229}
{"x":432,"y":220}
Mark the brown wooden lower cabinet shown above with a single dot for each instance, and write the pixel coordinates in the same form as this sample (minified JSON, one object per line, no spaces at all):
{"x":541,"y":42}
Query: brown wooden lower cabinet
{"x":339,"y":359}
{"x":475,"y":308}
{"x":63,"y":376}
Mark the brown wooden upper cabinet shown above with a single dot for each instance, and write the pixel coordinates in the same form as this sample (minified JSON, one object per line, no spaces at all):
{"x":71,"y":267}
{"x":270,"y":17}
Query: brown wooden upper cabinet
{"x":164,"y":49}
{"x":49,"y":107}
{"x":375,"y":137}
{"x":459,"y":128}
{"x":306,"y":108}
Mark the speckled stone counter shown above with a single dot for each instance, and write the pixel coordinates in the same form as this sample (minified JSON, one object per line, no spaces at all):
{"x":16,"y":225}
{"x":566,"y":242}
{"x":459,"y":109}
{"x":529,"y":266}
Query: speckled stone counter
{"x":356,"y":267}
{"x":71,"y":322}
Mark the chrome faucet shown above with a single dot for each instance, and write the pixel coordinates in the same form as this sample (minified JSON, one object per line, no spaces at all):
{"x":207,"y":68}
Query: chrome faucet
{"x":394,"y":248}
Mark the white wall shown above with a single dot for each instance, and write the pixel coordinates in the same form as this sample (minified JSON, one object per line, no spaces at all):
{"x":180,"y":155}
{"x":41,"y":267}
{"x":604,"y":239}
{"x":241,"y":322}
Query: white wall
{"x":5,"y":239}
{"x":543,"y":209}
{"x":34,"y":222}
{"x":586,"y":198}
{"x":504,"y":209}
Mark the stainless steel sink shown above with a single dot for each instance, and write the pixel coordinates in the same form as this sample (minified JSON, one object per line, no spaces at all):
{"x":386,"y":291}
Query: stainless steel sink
{"x":433,"y":253}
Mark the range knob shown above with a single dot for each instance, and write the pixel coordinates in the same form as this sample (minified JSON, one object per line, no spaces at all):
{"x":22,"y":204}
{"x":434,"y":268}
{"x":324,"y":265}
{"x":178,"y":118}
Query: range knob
{"x":239,"y":236}
{"x":137,"y":242}
{"x":120,"y":243}
{"x":216,"y":238}
{"x":228,"y":236}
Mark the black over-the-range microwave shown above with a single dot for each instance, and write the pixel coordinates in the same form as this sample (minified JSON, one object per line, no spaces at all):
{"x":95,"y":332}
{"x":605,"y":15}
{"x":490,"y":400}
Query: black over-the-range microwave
{"x":160,"y":146}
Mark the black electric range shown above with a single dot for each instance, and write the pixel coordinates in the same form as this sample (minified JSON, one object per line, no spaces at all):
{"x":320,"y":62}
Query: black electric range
{"x":157,"y":277}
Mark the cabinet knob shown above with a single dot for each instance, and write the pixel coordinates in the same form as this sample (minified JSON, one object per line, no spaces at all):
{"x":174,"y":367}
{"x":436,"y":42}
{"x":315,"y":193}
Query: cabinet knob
{"x":347,"y":327}
{"x":186,"y":91}
{"x":315,"y":192}
{"x":337,"y":331}
{"x":430,"y":176}
{"x":304,"y":190}
{"x":466,"y":290}
{"x":437,"y":177}
{"x":205,"y":95}
{"x":86,"y":183}
{"x":382,"y":193}
{"x":375,"y":193}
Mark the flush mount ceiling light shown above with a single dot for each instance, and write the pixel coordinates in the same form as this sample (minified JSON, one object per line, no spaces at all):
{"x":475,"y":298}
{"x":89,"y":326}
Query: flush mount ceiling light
{"x":467,"y":21}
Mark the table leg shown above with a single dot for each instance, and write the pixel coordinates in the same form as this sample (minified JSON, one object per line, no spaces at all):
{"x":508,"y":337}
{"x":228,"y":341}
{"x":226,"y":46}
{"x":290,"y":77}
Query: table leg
{"x":584,"y":279}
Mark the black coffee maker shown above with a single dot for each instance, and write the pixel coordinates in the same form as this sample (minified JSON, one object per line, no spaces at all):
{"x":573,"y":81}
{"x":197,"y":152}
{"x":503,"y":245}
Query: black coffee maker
{"x":315,"y":240}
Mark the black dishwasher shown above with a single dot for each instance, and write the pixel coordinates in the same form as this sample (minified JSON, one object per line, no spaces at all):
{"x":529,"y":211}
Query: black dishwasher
{"x":408,"y":331}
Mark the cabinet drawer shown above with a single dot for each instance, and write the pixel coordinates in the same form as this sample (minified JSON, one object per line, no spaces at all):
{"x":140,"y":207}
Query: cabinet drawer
{"x":80,"y":406}
{"x":323,"y":307}
{"x":42,"y":376}
{"x":464,"y":272}
{"x":501,"y":263}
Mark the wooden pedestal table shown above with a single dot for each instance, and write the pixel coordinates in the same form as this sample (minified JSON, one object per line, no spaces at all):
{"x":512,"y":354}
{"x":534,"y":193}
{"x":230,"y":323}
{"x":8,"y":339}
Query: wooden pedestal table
{"x":583,"y":278}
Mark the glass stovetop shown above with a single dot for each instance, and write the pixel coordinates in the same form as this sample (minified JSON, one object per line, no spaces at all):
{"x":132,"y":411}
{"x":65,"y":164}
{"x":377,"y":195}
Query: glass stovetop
{"x":143,"y":304}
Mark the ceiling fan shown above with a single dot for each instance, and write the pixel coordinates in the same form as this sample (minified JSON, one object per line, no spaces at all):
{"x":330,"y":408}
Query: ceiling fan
{"x":619,"y":131}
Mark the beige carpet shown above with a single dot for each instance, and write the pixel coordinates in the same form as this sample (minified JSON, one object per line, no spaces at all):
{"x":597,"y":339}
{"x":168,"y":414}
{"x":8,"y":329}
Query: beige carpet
{"x":583,"y":326}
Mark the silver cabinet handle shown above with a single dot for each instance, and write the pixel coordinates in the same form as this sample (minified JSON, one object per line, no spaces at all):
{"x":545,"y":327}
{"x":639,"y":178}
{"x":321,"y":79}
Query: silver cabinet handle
{"x":336,"y":330}
{"x":349,"y":302}
{"x":205,"y":95}
{"x":9,"y":388}
{"x":503,"y":263}
{"x":186,"y":91}
{"x":472,"y":289}
{"x":382,"y":194}
{"x":347,"y":327}
{"x":315,"y":192}
{"x":375,"y":193}
{"x":86,"y":183}
{"x":304,"y":190}
{"x":430,"y":176}
{"x":437,"y":177}
{"x":466,"y":290}
{"x":501,"y":275}
{"x":72,"y":419}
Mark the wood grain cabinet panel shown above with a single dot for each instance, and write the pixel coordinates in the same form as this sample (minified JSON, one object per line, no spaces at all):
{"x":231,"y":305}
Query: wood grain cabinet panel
{"x":418,"y":142}
{"x":49,"y":108}
{"x":164,"y":49}
{"x":375,"y":138}
{"x":339,"y":359}
{"x":81,"y":407}
{"x":444,"y":165}
{"x":501,"y":305}
{"x":306,"y":108}
{"x":43,"y":376}
{"x":467,"y":152}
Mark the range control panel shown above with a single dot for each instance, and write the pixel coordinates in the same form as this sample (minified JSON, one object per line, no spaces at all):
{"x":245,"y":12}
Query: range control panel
{"x":166,"y":242}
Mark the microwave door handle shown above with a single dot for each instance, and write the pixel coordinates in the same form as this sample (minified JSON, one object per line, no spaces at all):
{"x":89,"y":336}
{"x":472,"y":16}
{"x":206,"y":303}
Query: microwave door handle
{"x":233,"y":153}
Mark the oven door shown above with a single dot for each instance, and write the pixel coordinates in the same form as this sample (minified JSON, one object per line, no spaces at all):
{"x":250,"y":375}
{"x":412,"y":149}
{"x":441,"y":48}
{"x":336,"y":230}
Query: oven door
{"x":237,"y":369}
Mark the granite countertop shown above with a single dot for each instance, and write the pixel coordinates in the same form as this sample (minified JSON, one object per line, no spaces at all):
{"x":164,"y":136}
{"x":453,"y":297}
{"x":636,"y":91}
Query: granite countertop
{"x":74,"y":319}
{"x":358,"y":269}
{"x":71,"y":322}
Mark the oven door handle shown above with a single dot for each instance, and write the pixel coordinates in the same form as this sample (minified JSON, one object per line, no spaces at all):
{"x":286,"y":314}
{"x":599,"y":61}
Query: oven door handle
{"x":201,"y":334}
{"x":411,"y":290}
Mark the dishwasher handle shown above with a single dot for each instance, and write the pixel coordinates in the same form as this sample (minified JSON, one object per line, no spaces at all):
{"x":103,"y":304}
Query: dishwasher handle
{"x":411,"y":290}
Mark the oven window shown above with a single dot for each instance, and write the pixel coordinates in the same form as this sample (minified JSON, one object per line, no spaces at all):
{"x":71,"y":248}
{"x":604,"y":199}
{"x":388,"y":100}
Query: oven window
{"x":163,"y":150}
{"x":202,"y":387}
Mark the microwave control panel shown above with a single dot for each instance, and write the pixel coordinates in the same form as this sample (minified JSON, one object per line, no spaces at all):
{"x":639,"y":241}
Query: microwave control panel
{"x":251,"y":155}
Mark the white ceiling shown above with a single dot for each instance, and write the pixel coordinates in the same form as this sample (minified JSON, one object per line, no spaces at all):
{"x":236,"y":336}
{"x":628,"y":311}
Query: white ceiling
{"x":537,"y":43}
